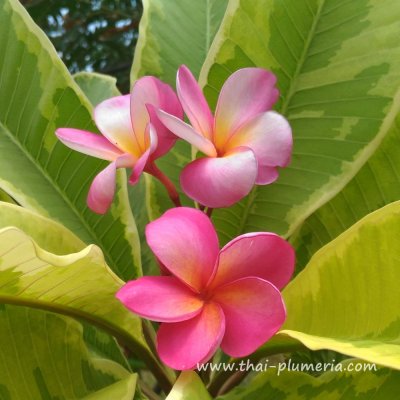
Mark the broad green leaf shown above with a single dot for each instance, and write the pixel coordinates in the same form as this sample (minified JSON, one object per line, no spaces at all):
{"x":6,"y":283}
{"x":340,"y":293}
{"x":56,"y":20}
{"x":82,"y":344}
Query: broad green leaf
{"x":343,"y":384}
{"x":40,"y":173}
{"x":79,"y":285}
{"x":338,"y":70}
{"x":347,"y":298}
{"x":172,"y":34}
{"x":97,"y":87}
{"x":376,"y":185}
{"x":44,"y":356}
{"x":188,"y":387}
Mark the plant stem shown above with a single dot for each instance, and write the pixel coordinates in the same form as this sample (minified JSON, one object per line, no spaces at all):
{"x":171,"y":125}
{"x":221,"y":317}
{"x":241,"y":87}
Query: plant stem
{"x":209,"y":211}
{"x":172,"y":192}
{"x":149,"y":335}
{"x":147,"y":391}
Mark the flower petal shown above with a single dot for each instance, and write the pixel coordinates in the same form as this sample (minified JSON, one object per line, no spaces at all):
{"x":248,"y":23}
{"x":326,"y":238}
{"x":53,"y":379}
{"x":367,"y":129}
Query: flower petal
{"x":266,"y":175}
{"x":270,"y":137}
{"x":150,"y":93}
{"x":220,"y":182}
{"x":254,"y":311}
{"x":160,"y":298}
{"x":246,"y":93}
{"x":194,"y":102}
{"x":264,"y":255}
{"x":102,"y":190}
{"x":113,"y":118}
{"x":185,"y":242}
{"x":143,"y":159}
{"x":183,"y":345}
{"x":88,"y":143}
{"x":186,"y":132}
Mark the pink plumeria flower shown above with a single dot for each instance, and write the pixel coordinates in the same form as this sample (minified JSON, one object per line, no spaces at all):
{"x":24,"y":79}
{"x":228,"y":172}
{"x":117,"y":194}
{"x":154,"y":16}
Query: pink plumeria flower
{"x":228,"y":298}
{"x":132,"y":136}
{"x":244,"y":143}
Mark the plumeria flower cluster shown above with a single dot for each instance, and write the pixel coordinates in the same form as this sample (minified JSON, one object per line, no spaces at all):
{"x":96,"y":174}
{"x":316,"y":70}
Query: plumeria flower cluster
{"x":206,"y":298}
{"x":243,"y":144}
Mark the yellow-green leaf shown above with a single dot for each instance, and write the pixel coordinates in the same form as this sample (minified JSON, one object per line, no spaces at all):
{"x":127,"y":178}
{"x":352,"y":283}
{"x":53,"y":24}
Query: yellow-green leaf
{"x":78,"y":284}
{"x":338,"y":69}
{"x":347,"y":298}
{"x":375,"y":185}
{"x":188,"y":387}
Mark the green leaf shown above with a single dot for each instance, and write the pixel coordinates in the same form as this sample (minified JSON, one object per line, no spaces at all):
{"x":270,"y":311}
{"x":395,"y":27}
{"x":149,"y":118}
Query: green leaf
{"x":376,"y":185}
{"x":97,"y":87}
{"x":79,"y":285}
{"x":380,"y":384}
{"x":188,"y":387}
{"x":171,"y":35}
{"x":44,"y":356}
{"x":338,"y":69}
{"x":37,"y":170}
{"x":346,"y":299}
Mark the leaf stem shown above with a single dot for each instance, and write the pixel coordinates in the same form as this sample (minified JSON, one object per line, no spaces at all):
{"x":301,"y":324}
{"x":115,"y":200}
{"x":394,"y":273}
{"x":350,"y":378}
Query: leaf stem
{"x":168,"y":184}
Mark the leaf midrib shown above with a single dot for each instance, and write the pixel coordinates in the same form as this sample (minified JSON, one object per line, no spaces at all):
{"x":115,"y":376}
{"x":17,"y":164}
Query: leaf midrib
{"x":292,"y":90}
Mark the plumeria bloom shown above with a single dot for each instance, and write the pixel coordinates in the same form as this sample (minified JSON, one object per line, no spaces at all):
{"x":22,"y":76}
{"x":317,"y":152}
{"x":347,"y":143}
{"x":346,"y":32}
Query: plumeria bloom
{"x":244,"y":143}
{"x":228,"y":298}
{"x":132,"y":136}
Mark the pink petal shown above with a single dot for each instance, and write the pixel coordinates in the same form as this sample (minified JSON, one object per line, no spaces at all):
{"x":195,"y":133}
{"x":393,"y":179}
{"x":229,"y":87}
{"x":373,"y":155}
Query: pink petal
{"x":143,"y":159}
{"x":220,"y":182}
{"x":263,"y":255}
{"x":160,"y":298}
{"x":186,"y":132}
{"x":88,"y":143}
{"x":254,"y":311}
{"x":270,"y":137}
{"x":246,"y":93}
{"x":194,"y":102}
{"x":266,"y":175}
{"x":102,"y":190}
{"x":185,"y":242}
{"x":150,"y":93}
{"x":182,"y":345}
{"x":113,"y":118}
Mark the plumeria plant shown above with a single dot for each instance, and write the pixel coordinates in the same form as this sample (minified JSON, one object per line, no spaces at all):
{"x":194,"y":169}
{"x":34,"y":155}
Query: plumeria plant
{"x":227,"y":230}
